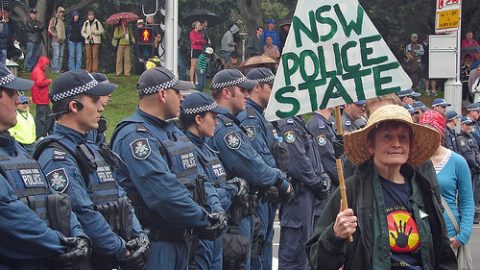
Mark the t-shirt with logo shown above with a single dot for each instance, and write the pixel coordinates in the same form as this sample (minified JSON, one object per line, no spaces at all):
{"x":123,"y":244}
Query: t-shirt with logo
{"x":402,"y":227}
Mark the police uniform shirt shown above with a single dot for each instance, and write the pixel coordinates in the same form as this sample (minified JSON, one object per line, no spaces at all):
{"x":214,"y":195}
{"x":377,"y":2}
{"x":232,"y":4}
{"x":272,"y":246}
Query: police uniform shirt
{"x":154,"y":180}
{"x":238,"y":156}
{"x":469,"y":149}
{"x":259,"y":131}
{"x":306,"y":164}
{"x":324,"y":134}
{"x":476,"y":131}
{"x":213,"y":195}
{"x":65,"y":176}
{"x":24,"y":235}
{"x":451,"y":139}
{"x":348,"y":124}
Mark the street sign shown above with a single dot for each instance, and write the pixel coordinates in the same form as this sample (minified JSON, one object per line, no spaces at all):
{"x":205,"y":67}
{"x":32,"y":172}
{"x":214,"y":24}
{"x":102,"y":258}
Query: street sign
{"x":448,"y":16}
{"x":443,"y":56}
{"x":333,"y":55}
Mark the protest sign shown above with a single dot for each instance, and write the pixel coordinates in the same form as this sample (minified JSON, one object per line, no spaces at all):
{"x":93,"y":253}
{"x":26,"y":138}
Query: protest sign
{"x":333,"y":55}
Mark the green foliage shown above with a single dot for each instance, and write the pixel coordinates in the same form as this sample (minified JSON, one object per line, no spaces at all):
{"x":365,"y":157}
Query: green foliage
{"x":274,"y":9}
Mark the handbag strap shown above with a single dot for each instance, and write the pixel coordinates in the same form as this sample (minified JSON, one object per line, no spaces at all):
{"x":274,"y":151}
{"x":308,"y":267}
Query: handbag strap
{"x":450,"y":216}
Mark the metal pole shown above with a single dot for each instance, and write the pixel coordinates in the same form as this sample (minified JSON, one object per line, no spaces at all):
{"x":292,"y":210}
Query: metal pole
{"x":453,"y":87}
{"x":171,"y":28}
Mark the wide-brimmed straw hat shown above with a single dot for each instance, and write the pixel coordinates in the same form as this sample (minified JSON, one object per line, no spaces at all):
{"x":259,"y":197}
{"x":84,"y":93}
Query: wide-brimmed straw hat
{"x":424,"y":142}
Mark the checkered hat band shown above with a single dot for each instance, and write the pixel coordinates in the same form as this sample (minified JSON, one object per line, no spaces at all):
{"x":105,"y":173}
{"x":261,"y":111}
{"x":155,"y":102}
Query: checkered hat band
{"x":265,"y":80}
{"x":229,"y":83}
{"x":7,"y":79}
{"x":205,"y":108}
{"x":75,"y":91}
{"x":156,"y":88}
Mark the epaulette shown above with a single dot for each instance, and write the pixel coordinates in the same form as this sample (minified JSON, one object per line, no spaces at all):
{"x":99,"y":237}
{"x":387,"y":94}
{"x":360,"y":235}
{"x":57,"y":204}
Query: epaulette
{"x":140,"y":127}
{"x":250,"y":112}
{"x":227,"y":121}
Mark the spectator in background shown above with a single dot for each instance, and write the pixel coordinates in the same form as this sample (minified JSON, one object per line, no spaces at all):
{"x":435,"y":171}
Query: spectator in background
{"x":123,"y":35}
{"x":234,"y":61}
{"x":271,"y":50}
{"x":196,"y":45}
{"x":228,"y":42}
{"x":425,"y":62}
{"x":471,"y":46}
{"x":56,"y":28}
{"x":285,"y":28}
{"x":24,"y":130}
{"x":205,"y":32}
{"x":465,"y":70}
{"x":412,"y":68}
{"x":34,"y":36}
{"x":417,"y":49}
{"x":270,"y":31}
{"x":139,"y":58}
{"x":255,"y":43}
{"x":92,"y":31}
{"x":202,"y":67}
{"x":150,"y":22}
{"x":43,"y":113}
{"x":75,"y":42}
{"x":3,"y":38}
{"x":12,"y":38}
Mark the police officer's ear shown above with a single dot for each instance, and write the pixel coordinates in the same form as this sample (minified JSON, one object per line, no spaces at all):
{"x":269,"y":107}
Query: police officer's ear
{"x":75,"y":106}
{"x":198,"y":119}
{"x":162,"y":95}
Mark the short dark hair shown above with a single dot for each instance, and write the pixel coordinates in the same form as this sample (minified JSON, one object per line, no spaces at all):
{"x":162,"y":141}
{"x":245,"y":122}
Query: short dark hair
{"x":260,"y":27}
{"x":187,"y":120}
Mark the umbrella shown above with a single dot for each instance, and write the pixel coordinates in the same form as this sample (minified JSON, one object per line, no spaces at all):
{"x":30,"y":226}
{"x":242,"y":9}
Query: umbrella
{"x":117,"y":17}
{"x":202,"y":14}
{"x":258,"y":61}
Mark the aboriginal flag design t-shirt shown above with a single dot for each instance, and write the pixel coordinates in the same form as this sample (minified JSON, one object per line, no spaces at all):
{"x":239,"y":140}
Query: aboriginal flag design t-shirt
{"x":402,"y":227}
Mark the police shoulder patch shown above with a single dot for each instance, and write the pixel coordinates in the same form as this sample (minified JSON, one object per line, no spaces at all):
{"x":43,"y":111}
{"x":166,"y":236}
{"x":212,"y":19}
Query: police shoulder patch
{"x":232,"y":140}
{"x":321,"y":140}
{"x":140,"y":148}
{"x":251,"y":132}
{"x":289,"y":136}
{"x":58,"y":180}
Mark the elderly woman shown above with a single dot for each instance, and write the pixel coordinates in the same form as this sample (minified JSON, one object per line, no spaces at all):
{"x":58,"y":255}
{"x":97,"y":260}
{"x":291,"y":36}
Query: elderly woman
{"x":395,"y":220}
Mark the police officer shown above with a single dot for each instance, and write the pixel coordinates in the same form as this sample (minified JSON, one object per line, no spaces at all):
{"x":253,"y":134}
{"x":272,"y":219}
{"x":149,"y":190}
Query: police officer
{"x":97,"y":135}
{"x":310,"y":183}
{"x":419,"y":108}
{"x":469,"y":149}
{"x":198,"y":116}
{"x":440,"y":105}
{"x":163,"y":185}
{"x":324,"y":133}
{"x":229,"y":89}
{"x":351,"y":113}
{"x":263,"y":138}
{"x":78,"y":167}
{"x":473,"y":114}
{"x":34,"y":236}
{"x":408,"y":96}
{"x":450,"y":133}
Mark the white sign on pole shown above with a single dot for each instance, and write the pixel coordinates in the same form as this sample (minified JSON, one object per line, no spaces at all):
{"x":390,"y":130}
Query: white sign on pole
{"x":447,"y":17}
{"x":333,"y":55}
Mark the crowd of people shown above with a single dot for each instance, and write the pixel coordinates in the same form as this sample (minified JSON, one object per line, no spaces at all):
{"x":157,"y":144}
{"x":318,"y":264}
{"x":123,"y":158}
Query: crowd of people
{"x":195,"y":181}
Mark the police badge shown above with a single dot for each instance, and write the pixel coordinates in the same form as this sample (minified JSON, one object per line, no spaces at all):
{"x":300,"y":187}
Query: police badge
{"x":289,"y":136}
{"x":321,"y":140}
{"x":232,"y":140}
{"x":58,"y":180}
{"x":140,"y":148}
{"x":251,"y":133}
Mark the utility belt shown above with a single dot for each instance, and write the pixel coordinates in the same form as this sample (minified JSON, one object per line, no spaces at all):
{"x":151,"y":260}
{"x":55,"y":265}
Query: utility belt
{"x":242,"y":208}
{"x":119,"y":216}
{"x":156,"y":234}
{"x":234,"y":256}
{"x":298,"y":187}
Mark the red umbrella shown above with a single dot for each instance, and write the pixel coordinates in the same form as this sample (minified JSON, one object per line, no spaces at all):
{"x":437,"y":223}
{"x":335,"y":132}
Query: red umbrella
{"x":117,"y":17}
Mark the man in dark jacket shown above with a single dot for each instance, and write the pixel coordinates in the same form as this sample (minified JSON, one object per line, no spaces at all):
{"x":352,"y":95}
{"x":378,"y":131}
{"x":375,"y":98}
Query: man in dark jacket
{"x":34,"y":36}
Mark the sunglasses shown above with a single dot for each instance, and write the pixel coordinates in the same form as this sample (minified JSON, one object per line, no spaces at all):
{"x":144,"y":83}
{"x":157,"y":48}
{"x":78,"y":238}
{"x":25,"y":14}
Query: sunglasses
{"x":25,"y":103}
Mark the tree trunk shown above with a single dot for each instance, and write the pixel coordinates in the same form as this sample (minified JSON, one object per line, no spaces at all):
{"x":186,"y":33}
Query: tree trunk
{"x":251,"y":10}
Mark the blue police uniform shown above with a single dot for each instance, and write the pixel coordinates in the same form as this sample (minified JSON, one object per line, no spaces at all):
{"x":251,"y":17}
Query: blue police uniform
{"x":96,"y":196}
{"x":451,"y":139}
{"x":310,"y":183}
{"x":160,"y":185}
{"x":348,"y":123}
{"x":324,"y":134}
{"x":240,"y":159}
{"x":208,"y":254}
{"x":28,"y":241}
{"x":261,"y":135}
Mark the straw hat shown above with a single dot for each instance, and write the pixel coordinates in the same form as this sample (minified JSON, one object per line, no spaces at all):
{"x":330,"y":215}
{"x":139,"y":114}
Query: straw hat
{"x":424,"y":143}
